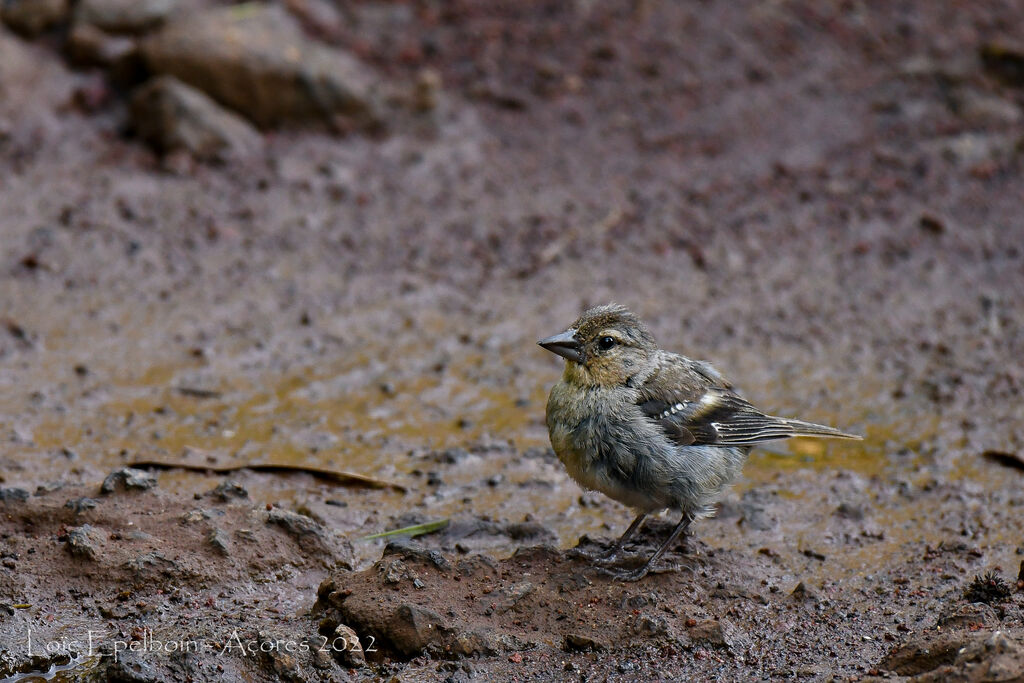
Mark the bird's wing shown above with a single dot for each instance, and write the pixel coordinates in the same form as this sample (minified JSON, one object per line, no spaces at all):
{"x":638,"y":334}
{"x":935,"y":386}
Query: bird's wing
{"x":694,"y":405}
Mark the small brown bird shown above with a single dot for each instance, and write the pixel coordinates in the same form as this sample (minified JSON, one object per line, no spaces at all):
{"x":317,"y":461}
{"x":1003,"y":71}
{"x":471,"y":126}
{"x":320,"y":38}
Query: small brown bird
{"x":649,"y":428}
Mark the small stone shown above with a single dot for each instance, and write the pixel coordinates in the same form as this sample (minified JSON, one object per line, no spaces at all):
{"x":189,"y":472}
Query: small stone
{"x":850,"y":511}
{"x":32,"y":17}
{"x":219,"y":541}
{"x":255,"y":59}
{"x":80,"y":505}
{"x":82,"y":540}
{"x":413,"y":630}
{"x":1005,"y":62}
{"x":805,"y":593}
{"x":710,"y":631}
{"x":395,"y":572}
{"x":128,"y":478}
{"x":931,"y":223}
{"x":89,"y":46}
{"x":278,"y":661}
{"x":347,"y":648}
{"x":651,"y":625}
{"x":13,"y":495}
{"x":304,"y":529}
{"x":173,"y":116}
{"x":925,"y":653}
{"x":227,"y":490}
{"x":969,"y":615}
{"x":577,"y":642}
{"x":124,"y":16}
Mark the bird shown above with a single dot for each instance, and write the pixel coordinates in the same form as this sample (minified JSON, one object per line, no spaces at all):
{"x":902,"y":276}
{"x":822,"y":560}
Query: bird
{"x":651,"y":429}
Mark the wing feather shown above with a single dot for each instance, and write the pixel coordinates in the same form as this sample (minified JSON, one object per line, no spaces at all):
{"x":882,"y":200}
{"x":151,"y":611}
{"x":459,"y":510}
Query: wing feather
{"x":694,"y":405}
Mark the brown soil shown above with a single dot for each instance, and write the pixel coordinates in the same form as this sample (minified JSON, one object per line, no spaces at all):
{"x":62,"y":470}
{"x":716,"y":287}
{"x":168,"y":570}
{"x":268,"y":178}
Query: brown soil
{"x":822,"y":198}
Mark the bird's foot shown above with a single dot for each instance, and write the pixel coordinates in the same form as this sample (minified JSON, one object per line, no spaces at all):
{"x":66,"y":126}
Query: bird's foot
{"x":637,"y":573}
{"x":607,"y":556}
{"x":625,"y":574}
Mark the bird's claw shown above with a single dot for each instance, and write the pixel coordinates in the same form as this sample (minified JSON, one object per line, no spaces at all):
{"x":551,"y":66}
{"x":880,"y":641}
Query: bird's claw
{"x":625,"y":575}
{"x":606,"y":557}
{"x":629,"y":575}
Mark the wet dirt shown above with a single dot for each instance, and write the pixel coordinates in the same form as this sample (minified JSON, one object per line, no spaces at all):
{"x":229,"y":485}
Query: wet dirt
{"x":823,"y":199}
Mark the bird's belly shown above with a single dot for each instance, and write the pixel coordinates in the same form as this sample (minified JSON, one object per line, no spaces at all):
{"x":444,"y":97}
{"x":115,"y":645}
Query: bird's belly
{"x":588,"y":472}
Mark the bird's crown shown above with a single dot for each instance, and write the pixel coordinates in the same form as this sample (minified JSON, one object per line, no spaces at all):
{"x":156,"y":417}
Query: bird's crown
{"x":614,"y":316}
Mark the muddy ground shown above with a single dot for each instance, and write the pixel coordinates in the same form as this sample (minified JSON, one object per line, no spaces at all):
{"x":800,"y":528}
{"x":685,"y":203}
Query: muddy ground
{"x":822,"y":198}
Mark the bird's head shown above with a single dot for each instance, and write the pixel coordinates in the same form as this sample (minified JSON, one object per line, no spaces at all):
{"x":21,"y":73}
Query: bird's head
{"x":607,"y":346}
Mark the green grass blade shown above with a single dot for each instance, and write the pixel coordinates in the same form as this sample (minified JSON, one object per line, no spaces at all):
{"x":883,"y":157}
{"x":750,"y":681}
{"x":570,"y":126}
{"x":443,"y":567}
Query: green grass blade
{"x":414,"y":530}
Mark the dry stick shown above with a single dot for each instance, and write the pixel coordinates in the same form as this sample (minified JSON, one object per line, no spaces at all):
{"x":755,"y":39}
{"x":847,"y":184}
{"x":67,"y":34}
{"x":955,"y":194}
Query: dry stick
{"x":339,"y":476}
{"x":1005,"y":459}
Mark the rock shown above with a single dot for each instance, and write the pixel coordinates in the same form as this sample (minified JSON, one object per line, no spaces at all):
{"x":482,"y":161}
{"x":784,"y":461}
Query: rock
{"x":850,"y":511}
{"x":13,"y":495}
{"x":924,"y":653}
{"x":154,"y":564}
{"x":414,"y":630}
{"x":80,"y":505}
{"x":711,"y":631}
{"x":805,"y":593}
{"x":254,"y":59}
{"x":981,"y":109}
{"x":312,"y":536}
{"x":321,"y":18}
{"x":514,"y":597}
{"x":132,"y":667}
{"x":971,"y":149}
{"x":395,"y":571}
{"x":227,"y":490}
{"x":577,"y":642}
{"x":1005,"y":62}
{"x":172,"y":116}
{"x":219,"y":541}
{"x":277,"y":660}
{"x":32,"y":17}
{"x":650,"y":625}
{"x":124,"y":16}
{"x":128,"y":478}
{"x":89,"y":46}
{"x":999,"y":657}
{"x":82,"y":541}
{"x":346,"y":647}
{"x":422,"y":555}
{"x":972,"y":615}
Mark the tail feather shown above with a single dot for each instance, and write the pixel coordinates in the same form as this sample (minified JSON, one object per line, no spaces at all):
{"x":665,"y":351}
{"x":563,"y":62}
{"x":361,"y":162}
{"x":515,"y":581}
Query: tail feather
{"x":801,"y":428}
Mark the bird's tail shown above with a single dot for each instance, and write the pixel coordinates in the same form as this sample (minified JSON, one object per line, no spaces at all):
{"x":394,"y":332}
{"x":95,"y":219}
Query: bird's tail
{"x":801,"y":428}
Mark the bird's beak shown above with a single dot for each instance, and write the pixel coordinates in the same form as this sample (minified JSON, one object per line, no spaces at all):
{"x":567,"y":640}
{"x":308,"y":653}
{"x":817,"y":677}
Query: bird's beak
{"x":565,"y":345}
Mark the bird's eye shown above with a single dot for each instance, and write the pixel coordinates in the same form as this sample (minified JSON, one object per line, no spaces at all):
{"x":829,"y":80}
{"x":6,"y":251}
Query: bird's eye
{"x":605,"y":343}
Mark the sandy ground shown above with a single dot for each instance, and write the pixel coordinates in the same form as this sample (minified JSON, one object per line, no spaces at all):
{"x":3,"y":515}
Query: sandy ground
{"x":823,"y":199}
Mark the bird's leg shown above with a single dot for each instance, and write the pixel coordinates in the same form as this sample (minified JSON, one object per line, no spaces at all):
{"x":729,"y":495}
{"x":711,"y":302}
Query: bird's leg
{"x":637,"y":574}
{"x":612,"y":554}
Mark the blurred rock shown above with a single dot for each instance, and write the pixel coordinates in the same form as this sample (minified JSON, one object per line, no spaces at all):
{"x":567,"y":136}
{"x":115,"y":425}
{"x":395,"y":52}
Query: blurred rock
{"x":1005,"y":62}
{"x":124,"y":16}
{"x":89,"y":46}
{"x":127,"y":478}
{"x":981,"y":109}
{"x":346,"y":647}
{"x":256,"y":60}
{"x":82,"y":541}
{"x":414,"y":630}
{"x":971,"y":149}
{"x":322,"y":18}
{"x":577,"y":642}
{"x":32,"y":17}
{"x":172,"y":116}
{"x":925,"y":652}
